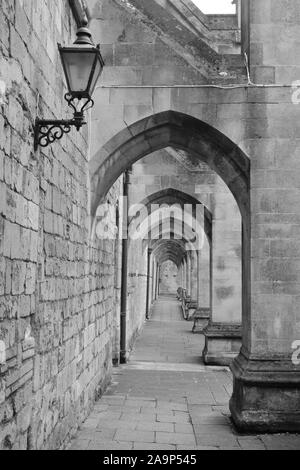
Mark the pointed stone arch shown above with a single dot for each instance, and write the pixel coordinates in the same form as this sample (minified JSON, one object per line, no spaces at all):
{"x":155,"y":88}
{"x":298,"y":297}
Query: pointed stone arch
{"x":173,"y":196}
{"x":171,"y":129}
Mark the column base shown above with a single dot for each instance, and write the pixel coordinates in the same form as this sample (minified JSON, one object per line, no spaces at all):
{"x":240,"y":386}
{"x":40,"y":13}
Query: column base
{"x":201,"y":318}
{"x":266,"y":395}
{"x":222,"y":343}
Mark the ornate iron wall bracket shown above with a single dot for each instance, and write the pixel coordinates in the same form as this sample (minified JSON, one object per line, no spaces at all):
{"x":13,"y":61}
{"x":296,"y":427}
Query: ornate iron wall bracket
{"x":46,"y":131}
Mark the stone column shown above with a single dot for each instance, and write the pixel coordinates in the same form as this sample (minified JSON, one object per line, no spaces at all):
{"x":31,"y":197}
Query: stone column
{"x":153,"y":280}
{"x":203,"y":286}
{"x":148,"y":293}
{"x":157,"y":281}
{"x":204,"y":276}
{"x":184,"y":274}
{"x":194,"y":275}
{"x":223,"y":335}
{"x":266,"y":386}
{"x":199,"y":286}
{"x":188,"y":274}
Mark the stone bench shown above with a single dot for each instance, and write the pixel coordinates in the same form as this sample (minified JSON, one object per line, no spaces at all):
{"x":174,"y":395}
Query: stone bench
{"x":190,"y":308}
{"x":181,"y":294}
{"x":201,"y":318}
{"x":184,"y":306}
{"x":222,"y":343}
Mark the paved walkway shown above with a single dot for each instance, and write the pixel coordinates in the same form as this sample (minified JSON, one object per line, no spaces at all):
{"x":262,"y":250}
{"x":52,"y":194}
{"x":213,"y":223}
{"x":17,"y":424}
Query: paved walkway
{"x":166,"y":399}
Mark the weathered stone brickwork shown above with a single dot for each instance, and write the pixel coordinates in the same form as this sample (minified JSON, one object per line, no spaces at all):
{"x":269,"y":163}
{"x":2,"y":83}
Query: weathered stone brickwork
{"x":56,"y":287}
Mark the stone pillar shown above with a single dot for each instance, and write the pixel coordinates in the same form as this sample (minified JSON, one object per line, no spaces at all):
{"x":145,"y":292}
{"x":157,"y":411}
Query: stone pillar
{"x":194,"y":276}
{"x":188,"y":274}
{"x":199,"y":286}
{"x":266,"y":374}
{"x":202,"y":313}
{"x":204,"y":276}
{"x":153,"y":280}
{"x":156,"y":280}
{"x":184,"y":274}
{"x":223,"y":335}
{"x":148,"y":293}
{"x":180,"y":276}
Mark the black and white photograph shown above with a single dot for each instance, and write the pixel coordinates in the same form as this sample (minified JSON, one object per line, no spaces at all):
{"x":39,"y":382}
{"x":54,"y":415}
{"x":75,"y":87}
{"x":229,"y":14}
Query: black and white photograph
{"x":149,"y":228}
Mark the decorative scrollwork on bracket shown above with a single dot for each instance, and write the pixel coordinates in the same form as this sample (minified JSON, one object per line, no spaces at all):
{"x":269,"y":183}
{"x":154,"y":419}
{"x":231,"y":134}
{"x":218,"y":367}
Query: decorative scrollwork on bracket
{"x":48,"y":135}
{"x":47,"y":132}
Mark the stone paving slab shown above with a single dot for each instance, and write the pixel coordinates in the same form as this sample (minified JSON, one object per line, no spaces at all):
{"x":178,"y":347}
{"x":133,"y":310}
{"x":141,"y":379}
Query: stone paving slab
{"x":158,"y":447}
{"x":169,"y":406}
{"x":175,"y":438}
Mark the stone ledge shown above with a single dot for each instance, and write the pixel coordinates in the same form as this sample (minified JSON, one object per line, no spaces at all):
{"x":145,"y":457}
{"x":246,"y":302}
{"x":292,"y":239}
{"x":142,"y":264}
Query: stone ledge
{"x":222,"y":343}
{"x":223,"y":330}
{"x":201,"y":318}
{"x":202,"y":313}
{"x":191,"y":304}
{"x":218,"y":359}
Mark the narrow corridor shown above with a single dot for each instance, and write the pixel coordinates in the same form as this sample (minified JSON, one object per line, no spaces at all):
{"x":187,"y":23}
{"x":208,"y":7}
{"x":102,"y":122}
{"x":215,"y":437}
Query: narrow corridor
{"x":166,"y":338}
{"x":166,"y":399}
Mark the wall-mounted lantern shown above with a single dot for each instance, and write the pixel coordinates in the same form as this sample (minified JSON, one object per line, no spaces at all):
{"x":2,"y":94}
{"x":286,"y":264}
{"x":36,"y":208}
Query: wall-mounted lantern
{"x":82,"y":65}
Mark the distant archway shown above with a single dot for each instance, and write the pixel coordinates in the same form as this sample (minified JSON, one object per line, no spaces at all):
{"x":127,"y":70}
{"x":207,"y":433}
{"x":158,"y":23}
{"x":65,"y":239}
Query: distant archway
{"x":172,"y":197}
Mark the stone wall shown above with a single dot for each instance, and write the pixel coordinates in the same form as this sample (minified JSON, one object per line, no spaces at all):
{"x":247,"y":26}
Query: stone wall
{"x":275,"y":45}
{"x":56,"y":287}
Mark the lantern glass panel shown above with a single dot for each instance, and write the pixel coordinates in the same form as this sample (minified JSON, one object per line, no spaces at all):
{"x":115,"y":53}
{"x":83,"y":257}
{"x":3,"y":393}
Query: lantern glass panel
{"x":78,"y":66}
{"x":97,"y":73}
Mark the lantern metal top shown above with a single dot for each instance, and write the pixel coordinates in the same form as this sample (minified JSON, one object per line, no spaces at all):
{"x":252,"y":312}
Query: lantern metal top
{"x":84,"y":36}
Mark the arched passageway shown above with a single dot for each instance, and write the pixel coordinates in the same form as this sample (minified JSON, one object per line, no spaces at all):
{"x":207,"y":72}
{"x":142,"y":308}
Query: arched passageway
{"x":207,"y":144}
{"x":174,"y":226}
{"x":201,"y":141}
